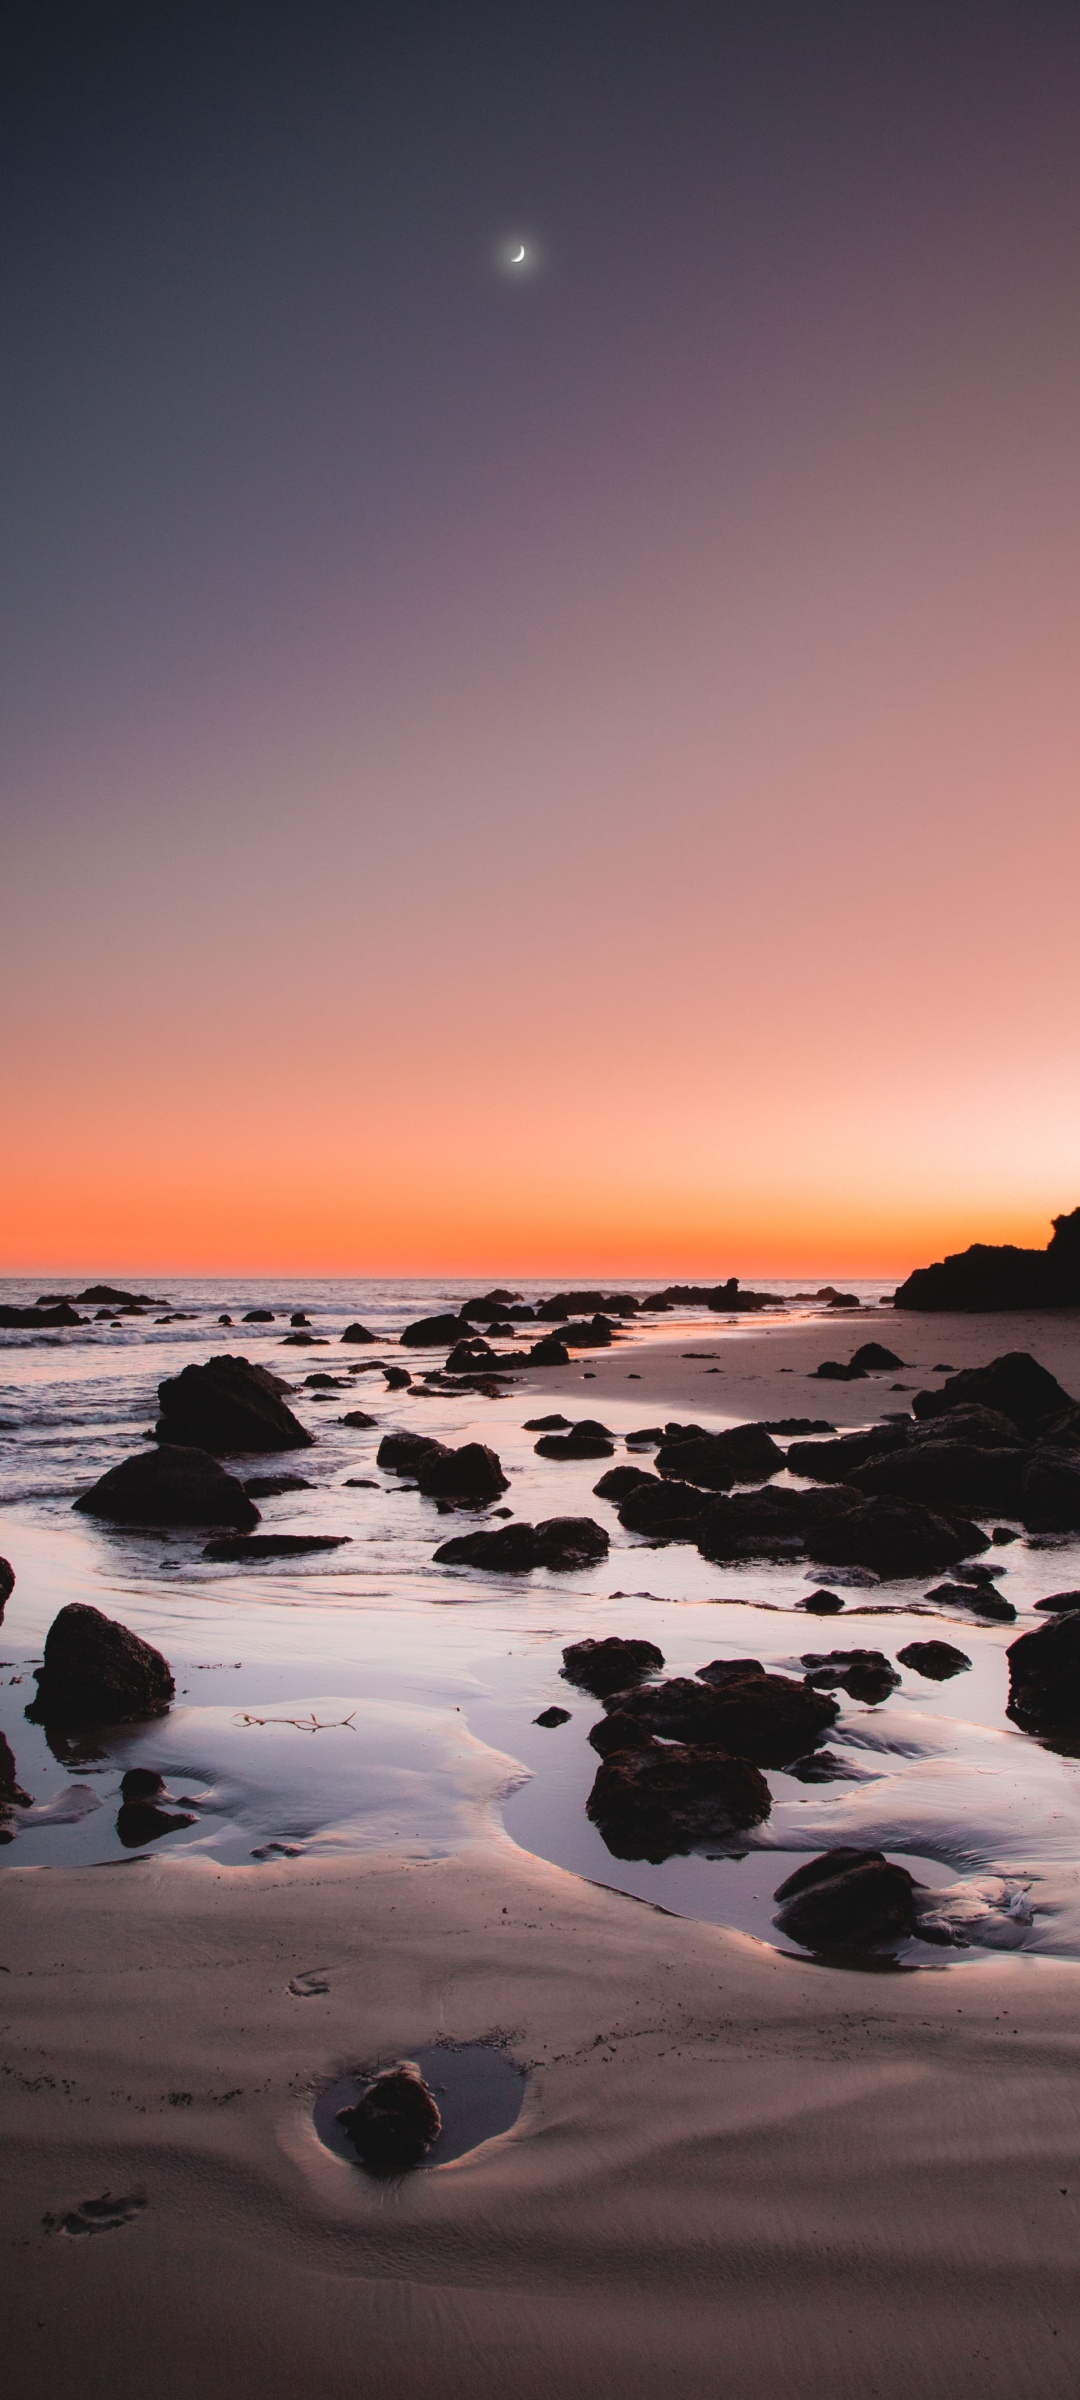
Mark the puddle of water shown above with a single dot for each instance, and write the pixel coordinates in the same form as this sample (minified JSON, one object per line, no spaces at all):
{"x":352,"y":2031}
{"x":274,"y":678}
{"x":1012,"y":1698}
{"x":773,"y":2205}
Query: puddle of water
{"x":478,"y":2088}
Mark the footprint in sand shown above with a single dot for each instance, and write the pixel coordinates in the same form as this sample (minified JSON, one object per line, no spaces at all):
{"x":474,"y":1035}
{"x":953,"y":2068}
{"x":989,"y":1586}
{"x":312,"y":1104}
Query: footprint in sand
{"x":96,"y":2216}
{"x":308,"y":1985}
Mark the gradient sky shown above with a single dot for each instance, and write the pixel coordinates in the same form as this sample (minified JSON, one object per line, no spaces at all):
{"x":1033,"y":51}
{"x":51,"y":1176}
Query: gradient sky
{"x":562,"y":773}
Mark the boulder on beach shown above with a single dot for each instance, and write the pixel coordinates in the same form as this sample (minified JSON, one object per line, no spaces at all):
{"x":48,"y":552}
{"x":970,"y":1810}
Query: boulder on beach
{"x":668,"y":1512}
{"x":772,"y":1523}
{"x":936,"y":1660}
{"x":874,"y":1356}
{"x":1044,"y":1678}
{"x":862,"y":1674}
{"x":984,"y":1601}
{"x":576,"y":1444}
{"x":895,"y":1537}
{"x":620,"y":1732}
{"x":434,"y":1333}
{"x":1057,"y":1603}
{"x":740,"y":1709}
{"x":550,"y":1352}
{"x":1050,"y":1494}
{"x":610,"y":1665}
{"x":618,"y":1481}
{"x":402,"y":1452}
{"x":395,"y":2123}
{"x":95,"y":1671}
{"x":716,"y":1461}
{"x":471,"y":1357}
{"x":358,"y":1333}
{"x":847,"y":1900}
{"x":992,"y":1276}
{"x":7,"y":1583}
{"x":837,"y":1460}
{"x":1015,"y":1384}
{"x":12,"y":1794}
{"x":833,"y":1370}
{"x":950,"y":1475}
{"x":561,"y":1544}
{"x":662,"y":1801}
{"x":171,"y":1485}
{"x":358,"y":1419}
{"x":471,"y":1473}
{"x":551,"y":1424}
{"x":593,"y":1334}
{"x":228,"y":1405}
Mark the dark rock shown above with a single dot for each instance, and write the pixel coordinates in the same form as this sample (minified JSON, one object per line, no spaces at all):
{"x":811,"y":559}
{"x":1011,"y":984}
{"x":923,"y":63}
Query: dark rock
{"x":272,"y":1545}
{"x":989,"y":1276}
{"x":950,"y":1475}
{"x":862,"y":1674}
{"x":320,"y":1381}
{"x":574,"y":1445}
{"x":767,"y":1524}
{"x":549,"y":1353}
{"x":895,"y":1537}
{"x":1044,"y":1677}
{"x":169,"y":1486}
{"x":595,"y":1334}
{"x":228,"y":1405}
{"x":1015,"y":1384}
{"x":822,"y":1766}
{"x":821,"y":1604}
{"x":985,"y":1603}
{"x":141,"y":1783}
{"x":847,"y":1900}
{"x":358,"y":1333}
{"x":619,"y":1481}
{"x":555,"y":1424}
{"x":832,"y":1371}
{"x":620,"y":1732}
{"x":1051,"y":1492}
{"x":12,"y":1794}
{"x":139,"y":1822}
{"x":395,"y":2123}
{"x":560,"y":1544}
{"x":471,"y":1473}
{"x":552,"y":1716}
{"x":433,"y":1333}
{"x":611,"y":1665}
{"x":568,"y":1304}
{"x":268,"y":1487}
{"x":770,"y":1719}
{"x":466,"y":1357}
{"x":798,"y":1425}
{"x":670,"y":1512}
{"x":874,"y":1354}
{"x":984,"y":1428}
{"x":34,"y":1319}
{"x":1057,"y":1603}
{"x":645,"y":1437}
{"x":257,"y":1316}
{"x":95,"y":1671}
{"x":225,"y":1320}
{"x":402,"y":1452}
{"x":844,"y":1300}
{"x":7,"y":1583}
{"x":663,"y":1801}
{"x":936,"y":1660}
{"x":302,"y":1341}
{"x":716,"y":1461}
{"x":1063,"y":1433}
{"x":359,"y":1419}
{"x":1003,"y":1534}
{"x":837,"y":1461}
{"x":397,"y":1378}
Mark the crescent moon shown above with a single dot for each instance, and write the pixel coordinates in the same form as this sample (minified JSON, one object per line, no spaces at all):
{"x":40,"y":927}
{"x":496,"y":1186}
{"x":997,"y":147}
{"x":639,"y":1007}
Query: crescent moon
{"x":517,"y":256}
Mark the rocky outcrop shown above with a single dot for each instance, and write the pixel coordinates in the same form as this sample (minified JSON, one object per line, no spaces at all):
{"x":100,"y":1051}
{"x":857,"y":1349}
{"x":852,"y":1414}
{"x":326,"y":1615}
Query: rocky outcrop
{"x":95,"y":1671}
{"x":564,"y":1305}
{"x":663,"y":1801}
{"x":401,"y":1453}
{"x":950,"y":1475}
{"x":895,"y":1537}
{"x":716,"y":1461}
{"x":936,"y":1660}
{"x":863,"y":1674}
{"x":1044,"y":1679}
{"x":610,"y":1665}
{"x":768,"y":1524}
{"x":1014,"y":1384}
{"x":559,"y":1543}
{"x":847,"y":1900}
{"x":472,"y":1473}
{"x":739,"y":1709}
{"x":39,"y":1319}
{"x":394,"y":2125}
{"x":989,"y":1276}
{"x":358,"y":1333}
{"x":170,"y":1486}
{"x":226,"y":1406}
{"x":434,"y":1333}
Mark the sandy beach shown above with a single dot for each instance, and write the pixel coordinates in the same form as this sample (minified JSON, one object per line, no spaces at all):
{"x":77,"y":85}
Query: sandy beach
{"x":730,"y":2163}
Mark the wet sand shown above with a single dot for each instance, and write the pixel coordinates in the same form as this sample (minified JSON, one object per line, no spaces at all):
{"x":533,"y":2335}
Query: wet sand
{"x":732,"y":2168}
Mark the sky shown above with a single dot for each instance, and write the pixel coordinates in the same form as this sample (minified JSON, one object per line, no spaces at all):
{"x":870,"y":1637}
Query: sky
{"x":568,"y":768}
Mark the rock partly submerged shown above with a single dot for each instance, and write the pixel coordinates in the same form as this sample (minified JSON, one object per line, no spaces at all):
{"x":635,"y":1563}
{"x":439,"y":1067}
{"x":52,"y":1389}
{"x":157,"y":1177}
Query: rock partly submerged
{"x":171,"y":1485}
{"x":847,"y":1900}
{"x":228,"y":1405}
{"x":96,"y":1671}
{"x":663,"y":1800}
{"x":558,"y":1543}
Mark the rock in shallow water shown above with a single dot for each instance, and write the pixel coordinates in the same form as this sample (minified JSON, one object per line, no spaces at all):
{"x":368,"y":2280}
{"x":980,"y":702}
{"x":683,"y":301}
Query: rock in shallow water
{"x":862,"y":1674}
{"x":96,"y":1671}
{"x":847,"y":1900}
{"x":271,"y":1545}
{"x":395,"y":2123}
{"x":228,"y":1405}
{"x":936,"y":1660}
{"x":895,"y":1537}
{"x":769,"y":1719}
{"x":1044,"y":1678}
{"x":660,"y":1801}
{"x":472,"y":1473}
{"x":558,"y":1543}
{"x":610,"y":1665}
{"x":173,"y":1485}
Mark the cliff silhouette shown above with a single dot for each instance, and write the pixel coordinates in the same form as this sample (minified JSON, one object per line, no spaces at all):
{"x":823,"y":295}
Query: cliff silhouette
{"x":1002,"y":1276}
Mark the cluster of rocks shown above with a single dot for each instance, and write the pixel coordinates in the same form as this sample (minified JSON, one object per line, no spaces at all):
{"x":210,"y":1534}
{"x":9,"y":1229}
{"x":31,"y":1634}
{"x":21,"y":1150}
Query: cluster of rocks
{"x":990,"y":1275}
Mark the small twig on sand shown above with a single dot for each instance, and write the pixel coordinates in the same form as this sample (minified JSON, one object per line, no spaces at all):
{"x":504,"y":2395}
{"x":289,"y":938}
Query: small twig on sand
{"x":312,"y":1724}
